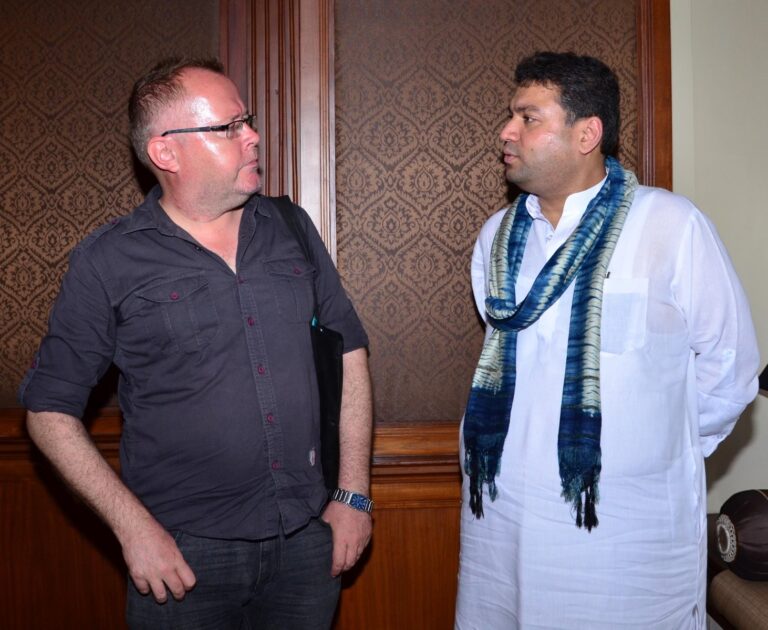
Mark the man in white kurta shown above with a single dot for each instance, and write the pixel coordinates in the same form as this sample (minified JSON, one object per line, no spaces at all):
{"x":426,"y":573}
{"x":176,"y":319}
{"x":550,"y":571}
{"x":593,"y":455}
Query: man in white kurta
{"x":678,"y":365}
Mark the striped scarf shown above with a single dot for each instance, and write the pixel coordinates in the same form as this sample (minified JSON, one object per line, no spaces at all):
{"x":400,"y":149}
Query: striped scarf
{"x":584,"y":257}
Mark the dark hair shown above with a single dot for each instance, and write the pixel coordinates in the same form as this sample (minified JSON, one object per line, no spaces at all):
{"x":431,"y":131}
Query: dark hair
{"x":159,"y":88}
{"x":587,"y":87}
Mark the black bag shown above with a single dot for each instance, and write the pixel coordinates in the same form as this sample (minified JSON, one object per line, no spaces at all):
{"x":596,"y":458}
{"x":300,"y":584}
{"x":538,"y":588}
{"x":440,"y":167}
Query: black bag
{"x":327,"y":347}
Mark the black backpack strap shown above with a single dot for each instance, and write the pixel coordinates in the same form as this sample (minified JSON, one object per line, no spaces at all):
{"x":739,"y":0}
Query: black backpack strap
{"x":286,"y":208}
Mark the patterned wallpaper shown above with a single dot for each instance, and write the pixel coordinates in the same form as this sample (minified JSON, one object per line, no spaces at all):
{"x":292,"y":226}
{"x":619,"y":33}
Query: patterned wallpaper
{"x":66,"y":70}
{"x":422,"y":90}
{"x":421,"y":93}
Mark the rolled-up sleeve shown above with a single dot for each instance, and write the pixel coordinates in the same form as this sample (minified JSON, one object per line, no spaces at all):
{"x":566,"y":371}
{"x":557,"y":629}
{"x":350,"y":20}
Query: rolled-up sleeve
{"x":78,"y":347}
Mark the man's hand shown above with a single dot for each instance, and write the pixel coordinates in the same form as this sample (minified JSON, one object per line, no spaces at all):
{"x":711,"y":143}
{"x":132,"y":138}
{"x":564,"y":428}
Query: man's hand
{"x":155,"y":562}
{"x":351,"y":534}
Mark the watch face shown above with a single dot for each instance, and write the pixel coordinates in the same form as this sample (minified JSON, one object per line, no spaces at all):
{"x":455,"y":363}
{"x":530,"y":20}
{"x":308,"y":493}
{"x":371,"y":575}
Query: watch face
{"x":359,"y":502}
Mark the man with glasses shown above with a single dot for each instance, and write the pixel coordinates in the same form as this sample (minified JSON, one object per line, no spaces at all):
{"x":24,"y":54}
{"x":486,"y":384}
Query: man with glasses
{"x":202,"y":297}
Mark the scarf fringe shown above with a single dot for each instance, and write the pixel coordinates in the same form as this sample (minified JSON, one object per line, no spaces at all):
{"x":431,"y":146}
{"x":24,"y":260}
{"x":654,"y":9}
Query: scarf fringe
{"x":580,"y":487}
{"x":481,"y":467}
{"x":586,"y":514}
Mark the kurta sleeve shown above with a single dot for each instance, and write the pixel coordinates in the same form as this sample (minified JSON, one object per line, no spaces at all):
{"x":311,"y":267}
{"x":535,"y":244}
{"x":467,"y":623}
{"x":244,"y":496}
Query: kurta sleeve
{"x":720,"y":330}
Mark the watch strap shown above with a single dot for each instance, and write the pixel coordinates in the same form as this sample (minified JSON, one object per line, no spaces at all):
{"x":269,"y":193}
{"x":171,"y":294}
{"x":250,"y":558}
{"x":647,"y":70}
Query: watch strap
{"x":352,"y":499}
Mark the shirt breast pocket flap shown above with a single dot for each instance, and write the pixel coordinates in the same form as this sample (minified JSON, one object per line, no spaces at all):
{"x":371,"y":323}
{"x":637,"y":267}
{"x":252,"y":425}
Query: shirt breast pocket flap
{"x":292,"y":286}
{"x":181,"y":314}
{"x":625,"y":308}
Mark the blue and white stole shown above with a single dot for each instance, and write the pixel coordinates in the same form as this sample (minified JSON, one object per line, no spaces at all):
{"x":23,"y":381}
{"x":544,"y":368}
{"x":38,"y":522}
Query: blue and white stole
{"x":584,"y":257}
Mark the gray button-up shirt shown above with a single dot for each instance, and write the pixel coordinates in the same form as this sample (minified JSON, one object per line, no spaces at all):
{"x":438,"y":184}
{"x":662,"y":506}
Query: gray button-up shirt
{"x":217,"y":388}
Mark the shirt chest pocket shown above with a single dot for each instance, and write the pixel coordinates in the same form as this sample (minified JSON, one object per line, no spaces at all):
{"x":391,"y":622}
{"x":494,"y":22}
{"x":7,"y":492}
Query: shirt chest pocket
{"x":292,"y":287}
{"x":180,"y":314}
{"x":625,"y":309}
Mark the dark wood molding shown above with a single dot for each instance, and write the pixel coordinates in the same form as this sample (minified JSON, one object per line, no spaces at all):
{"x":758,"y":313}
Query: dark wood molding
{"x":431,"y":444}
{"x":423,"y":448}
{"x":654,"y":93}
{"x":293,"y":94}
{"x":235,"y":43}
{"x":273,"y":91}
{"x":317,"y":167}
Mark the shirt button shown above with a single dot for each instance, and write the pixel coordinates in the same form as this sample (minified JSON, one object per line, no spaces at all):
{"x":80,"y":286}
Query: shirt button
{"x":250,"y":321}
{"x":275,"y":465}
{"x":261,"y":369}
{"x":174,"y":296}
{"x":296,"y":271}
{"x":240,"y":280}
{"x":270,"y":418}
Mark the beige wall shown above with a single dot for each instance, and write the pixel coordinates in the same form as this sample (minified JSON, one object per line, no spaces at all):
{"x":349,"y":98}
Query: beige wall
{"x":719,"y":95}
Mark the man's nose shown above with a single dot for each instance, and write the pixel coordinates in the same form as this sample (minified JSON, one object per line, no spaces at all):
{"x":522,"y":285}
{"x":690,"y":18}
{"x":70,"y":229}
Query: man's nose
{"x":250,"y":135}
{"x":510,"y":131}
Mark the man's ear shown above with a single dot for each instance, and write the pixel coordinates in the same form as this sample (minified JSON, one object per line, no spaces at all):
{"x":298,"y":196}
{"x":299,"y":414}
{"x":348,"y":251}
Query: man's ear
{"x":162,"y":154}
{"x":590,"y":134}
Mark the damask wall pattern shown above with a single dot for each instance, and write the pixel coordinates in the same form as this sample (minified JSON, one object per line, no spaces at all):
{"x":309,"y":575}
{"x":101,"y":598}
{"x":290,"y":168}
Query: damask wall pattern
{"x":66,"y":70}
{"x":422,"y":90}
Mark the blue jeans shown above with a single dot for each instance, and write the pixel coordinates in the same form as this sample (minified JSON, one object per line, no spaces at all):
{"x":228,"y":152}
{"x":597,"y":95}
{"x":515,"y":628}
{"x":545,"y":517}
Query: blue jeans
{"x":283,"y":583}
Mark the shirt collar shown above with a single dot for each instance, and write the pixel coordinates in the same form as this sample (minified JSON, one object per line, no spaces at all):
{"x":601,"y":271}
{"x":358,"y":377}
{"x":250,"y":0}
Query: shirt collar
{"x":150,"y":214}
{"x":575,"y":204}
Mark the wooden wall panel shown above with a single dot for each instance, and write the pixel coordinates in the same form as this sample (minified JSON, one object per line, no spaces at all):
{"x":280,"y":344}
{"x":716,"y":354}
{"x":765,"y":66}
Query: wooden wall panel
{"x":62,"y":568}
{"x":407,"y":579}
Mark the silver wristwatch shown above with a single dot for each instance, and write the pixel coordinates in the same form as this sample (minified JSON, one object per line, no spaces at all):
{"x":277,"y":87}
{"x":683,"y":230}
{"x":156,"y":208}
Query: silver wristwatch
{"x":352,"y":499}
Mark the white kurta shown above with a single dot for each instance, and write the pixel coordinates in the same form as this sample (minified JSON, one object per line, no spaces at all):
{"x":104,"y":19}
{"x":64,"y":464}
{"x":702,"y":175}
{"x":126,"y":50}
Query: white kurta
{"x":678,"y":365}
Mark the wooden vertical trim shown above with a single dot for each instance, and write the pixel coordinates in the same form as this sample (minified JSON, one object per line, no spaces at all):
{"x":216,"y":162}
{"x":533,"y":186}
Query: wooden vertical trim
{"x":316,"y":146}
{"x":654,"y":93}
{"x":292,"y":63}
{"x":235,"y":40}
{"x":272,"y":93}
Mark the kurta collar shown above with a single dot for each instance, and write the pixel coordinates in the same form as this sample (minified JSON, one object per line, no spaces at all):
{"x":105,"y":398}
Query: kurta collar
{"x":574,"y":207}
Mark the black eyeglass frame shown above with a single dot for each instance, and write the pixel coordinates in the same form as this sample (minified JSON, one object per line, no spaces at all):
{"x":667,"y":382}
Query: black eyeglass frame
{"x":246,"y":120}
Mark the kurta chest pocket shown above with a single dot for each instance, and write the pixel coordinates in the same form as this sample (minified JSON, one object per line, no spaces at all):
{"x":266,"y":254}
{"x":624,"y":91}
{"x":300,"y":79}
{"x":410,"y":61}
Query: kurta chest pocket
{"x":625,"y":310}
{"x":180,"y":314}
{"x":291,"y":281}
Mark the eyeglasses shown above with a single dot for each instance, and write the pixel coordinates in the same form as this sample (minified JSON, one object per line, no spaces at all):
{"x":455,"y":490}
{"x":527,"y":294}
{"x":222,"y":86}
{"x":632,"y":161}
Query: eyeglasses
{"x":232,"y":129}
